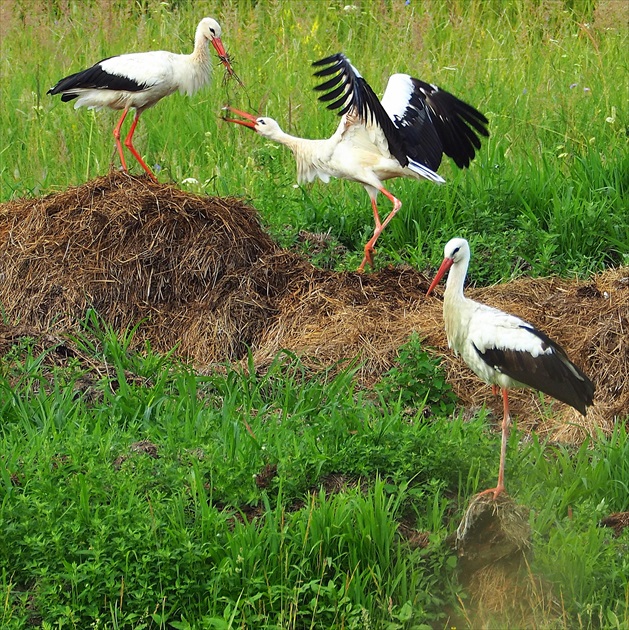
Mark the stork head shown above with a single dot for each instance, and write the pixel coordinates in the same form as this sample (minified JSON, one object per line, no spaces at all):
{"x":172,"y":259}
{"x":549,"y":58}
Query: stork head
{"x":456,"y":250}
{"x":267,"y":127}
{"x":210,"y":30}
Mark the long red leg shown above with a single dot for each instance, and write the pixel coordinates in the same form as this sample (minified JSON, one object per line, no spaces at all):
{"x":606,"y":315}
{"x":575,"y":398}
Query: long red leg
{"x":117,"y":137}
{"x":370,"y":245}
{"x":129,"y":144}
{"x":500,"y":488}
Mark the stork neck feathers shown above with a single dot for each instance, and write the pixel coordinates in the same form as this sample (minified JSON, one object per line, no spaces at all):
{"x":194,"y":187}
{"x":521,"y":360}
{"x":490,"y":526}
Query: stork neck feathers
{"x":199,"y":63}
{"x":457,"y":309}
{"x":455,"y":281}
{"x":201,"y":54}
{"x":300,"y":147}
{"x":277,"y":134}
{"x":311,"y":156}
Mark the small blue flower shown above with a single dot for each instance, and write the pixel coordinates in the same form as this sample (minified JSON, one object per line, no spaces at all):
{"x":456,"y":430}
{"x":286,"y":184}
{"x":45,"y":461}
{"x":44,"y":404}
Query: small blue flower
{"x":573,"y":85}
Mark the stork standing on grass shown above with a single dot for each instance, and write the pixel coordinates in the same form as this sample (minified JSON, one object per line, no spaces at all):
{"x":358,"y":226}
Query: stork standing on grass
{"x":139,"y":80}
{"x":404,"y":135}
{"x":504,"y":350}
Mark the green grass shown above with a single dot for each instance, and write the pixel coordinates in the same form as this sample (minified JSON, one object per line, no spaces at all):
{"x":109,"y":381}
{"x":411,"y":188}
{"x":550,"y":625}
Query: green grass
{"x":135,"y":493}
{"x":546,"y":194}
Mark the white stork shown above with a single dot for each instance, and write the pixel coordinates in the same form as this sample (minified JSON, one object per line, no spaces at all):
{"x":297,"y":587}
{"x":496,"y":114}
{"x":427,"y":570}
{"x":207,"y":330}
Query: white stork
{"x":139,"y":80}
{"x":504,"y":350}
{"x":405,"y":135}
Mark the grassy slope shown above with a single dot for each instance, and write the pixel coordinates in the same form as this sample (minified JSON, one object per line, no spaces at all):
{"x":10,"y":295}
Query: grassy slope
{"x":87,"y":542}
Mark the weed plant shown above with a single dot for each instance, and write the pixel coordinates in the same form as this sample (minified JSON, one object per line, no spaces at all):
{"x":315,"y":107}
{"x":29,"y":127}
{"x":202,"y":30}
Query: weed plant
{"x":547,"y":193}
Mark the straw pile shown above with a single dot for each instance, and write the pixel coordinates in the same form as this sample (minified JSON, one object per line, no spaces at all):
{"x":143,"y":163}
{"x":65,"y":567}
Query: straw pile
{"x":328,"y":316}
{"x":199,"y":270}
{"x":201,"y":274}
{"x":493,"y":543}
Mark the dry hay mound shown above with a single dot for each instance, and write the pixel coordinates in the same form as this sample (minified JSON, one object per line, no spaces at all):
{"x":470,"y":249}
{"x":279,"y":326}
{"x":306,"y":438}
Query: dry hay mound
{"x":199,"y":272}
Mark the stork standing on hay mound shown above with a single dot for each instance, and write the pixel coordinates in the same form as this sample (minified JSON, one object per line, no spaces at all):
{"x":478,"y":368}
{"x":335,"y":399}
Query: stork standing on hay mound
{"x":139,"y":80}
{"x":404,"y":135}
{"x":504,"y":350}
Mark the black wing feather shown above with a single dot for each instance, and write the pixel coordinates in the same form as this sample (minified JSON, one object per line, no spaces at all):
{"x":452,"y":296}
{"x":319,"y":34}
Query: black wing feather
{"x":333,"y":94}
{"x":554,"y":373}
{"x":421,"y":140}
{"x":356,"y":94}
{"x":434,"y":123}
{"x":94,"y":78}
{"x":455,"y":122}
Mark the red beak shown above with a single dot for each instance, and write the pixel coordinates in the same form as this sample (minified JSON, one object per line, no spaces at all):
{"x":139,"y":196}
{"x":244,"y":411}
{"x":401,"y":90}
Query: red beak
{"x":445,"y":265}
{"x":250,"y":121}
{"x":224,"y":58}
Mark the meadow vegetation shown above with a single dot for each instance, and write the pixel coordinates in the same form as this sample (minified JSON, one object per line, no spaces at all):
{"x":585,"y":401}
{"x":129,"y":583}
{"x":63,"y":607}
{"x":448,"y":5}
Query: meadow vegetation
{"x":547,"y":193}
{"x":136,"y":493}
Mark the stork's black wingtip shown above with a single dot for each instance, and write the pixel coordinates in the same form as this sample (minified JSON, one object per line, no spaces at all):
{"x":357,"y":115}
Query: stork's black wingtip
{"x":327,"y":71}
{"x":335,"y":58}
{"x":325,"y":61}
{"x":320,"y":62}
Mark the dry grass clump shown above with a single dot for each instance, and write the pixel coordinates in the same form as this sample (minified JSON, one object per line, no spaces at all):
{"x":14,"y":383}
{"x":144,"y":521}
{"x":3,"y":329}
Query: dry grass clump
{"x":493,"y":544}
{"x":199,"y":270}
{"x":326,"y":316}
{"x":201,"y":274}
{"x":618,"y":521}
{"x":611,"y":14}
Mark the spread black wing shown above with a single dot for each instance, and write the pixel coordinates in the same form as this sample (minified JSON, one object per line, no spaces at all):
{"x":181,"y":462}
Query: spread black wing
{"x":420,"y":121}
{"x":425,"y":111}
{"x":349,"y":91}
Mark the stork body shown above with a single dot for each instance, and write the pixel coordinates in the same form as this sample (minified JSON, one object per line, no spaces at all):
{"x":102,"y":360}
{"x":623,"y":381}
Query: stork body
{"x":504,"y":350}
{"x":405,"y":135}
{"x":139,"y":80}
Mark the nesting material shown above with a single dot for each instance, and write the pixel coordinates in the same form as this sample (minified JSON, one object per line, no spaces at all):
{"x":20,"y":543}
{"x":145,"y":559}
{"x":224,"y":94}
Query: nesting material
{"x":200,"y":273}
{"x":493,"y":545}
{"x":618,"y":521}
{"x":492,"y":531}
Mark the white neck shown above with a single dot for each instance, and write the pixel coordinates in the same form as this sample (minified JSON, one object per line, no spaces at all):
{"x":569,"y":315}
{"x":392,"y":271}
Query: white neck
{"x":457,"y":309}
{"x":200,"y":54}
{"x":292,"y":142}
{"x":455,"y":281}
{"x":199,"y":66}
